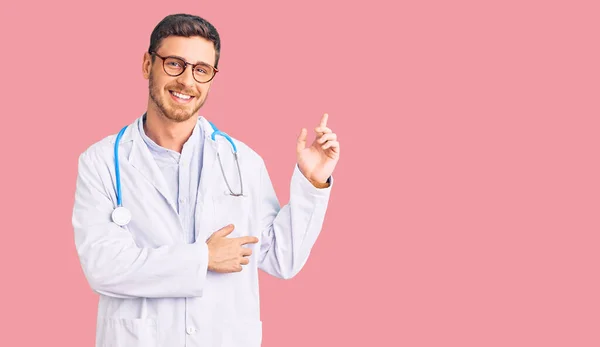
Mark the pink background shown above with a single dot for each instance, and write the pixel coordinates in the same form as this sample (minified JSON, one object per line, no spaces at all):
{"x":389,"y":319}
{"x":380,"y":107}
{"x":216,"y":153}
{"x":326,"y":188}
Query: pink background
{"x":466,"y":204}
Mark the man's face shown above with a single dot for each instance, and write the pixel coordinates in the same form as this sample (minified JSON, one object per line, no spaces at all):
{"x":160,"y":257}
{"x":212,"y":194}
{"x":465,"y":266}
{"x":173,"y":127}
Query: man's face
{"x":162,"y":86}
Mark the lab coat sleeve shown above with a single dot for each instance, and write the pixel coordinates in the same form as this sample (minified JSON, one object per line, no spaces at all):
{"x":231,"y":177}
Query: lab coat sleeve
{"x":112,"y":262}
{"x":289,"y":232}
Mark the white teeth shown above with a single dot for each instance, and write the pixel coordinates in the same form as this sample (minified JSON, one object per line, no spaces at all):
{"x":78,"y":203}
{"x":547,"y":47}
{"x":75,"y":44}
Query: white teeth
{"x":181,"y":96}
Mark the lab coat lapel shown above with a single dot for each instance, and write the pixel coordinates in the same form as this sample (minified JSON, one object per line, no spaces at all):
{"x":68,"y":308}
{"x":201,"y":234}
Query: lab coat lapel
{"x":210,"y":164}
{"x":141,"y":159}
{"x":207,"y":187}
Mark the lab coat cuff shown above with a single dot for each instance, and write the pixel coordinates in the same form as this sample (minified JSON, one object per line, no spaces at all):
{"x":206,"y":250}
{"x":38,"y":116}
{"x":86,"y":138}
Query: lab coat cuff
{"x":307,"y":186}
{"x":202,"y":261}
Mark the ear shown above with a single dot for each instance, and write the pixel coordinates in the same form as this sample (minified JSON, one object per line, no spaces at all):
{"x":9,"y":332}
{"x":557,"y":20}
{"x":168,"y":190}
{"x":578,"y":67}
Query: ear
{"x":146,"y":65}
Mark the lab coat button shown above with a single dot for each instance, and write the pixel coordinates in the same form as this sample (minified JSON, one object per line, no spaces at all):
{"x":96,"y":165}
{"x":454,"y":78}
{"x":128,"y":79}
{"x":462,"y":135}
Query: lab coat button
{"x":191,"y":330}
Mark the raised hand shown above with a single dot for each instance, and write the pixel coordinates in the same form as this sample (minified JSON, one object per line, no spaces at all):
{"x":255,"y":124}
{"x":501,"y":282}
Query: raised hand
{"x":318,"y":161}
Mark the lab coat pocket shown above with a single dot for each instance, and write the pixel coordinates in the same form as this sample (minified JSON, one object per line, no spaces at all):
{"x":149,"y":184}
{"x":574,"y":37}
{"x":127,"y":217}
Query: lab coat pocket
{"x":232,"y":210}
{"x":247,"y":333}
{"x":123,"y":332}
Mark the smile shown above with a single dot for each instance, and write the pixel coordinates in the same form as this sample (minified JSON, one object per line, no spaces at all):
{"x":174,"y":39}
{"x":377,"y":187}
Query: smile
{"x":180,"y":98}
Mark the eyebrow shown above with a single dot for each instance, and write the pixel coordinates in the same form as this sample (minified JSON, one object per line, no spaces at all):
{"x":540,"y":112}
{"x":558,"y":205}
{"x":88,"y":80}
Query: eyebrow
{"x":196,"y":63}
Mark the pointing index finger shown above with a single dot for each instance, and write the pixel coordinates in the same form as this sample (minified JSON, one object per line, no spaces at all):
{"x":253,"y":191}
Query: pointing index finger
{"x":248,"y":239}
{"x":324,"y":121}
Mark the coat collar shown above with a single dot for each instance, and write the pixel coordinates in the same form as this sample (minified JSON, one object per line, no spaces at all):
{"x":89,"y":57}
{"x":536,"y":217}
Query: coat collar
{"x":142,"y":160}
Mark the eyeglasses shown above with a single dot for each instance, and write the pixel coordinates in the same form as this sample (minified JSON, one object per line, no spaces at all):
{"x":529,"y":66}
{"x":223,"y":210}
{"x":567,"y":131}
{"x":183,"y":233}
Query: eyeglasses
{"x":175,"y":66}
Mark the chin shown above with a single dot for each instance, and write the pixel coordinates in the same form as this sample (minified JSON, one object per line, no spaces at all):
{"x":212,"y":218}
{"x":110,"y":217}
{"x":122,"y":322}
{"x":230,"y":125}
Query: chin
{"x":179,"y":115}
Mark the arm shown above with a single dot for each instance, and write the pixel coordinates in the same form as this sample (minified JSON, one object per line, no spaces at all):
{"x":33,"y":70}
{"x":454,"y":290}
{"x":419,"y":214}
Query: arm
{"x":289,"y":232}
{"x":111,"y":261}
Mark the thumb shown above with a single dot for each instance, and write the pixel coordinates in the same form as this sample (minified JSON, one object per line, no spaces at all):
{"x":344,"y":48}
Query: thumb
{"x":301,"y":140}
{"x":224,"y":231}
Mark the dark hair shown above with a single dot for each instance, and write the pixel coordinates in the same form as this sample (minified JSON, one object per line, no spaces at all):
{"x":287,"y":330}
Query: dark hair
{"x":185,"y":25}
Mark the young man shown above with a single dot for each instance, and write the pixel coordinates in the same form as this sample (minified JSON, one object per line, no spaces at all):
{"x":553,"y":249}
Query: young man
{"x":173,"y":232}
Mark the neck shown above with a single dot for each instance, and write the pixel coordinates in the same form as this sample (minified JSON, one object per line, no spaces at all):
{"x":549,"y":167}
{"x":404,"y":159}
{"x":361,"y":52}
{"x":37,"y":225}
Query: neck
{"x":167,"y":133}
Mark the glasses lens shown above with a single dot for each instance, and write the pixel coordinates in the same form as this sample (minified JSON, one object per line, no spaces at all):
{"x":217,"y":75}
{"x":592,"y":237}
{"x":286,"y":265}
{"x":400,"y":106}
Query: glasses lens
{"x":203,"y":73}
{"x":173,"y":66}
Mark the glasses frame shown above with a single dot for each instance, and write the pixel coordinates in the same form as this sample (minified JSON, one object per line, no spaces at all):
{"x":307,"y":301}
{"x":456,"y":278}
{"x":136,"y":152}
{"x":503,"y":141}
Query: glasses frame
{"x":185,"y":65}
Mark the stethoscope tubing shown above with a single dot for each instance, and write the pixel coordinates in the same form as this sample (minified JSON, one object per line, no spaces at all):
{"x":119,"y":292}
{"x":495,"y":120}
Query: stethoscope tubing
{"x":122,"y":215}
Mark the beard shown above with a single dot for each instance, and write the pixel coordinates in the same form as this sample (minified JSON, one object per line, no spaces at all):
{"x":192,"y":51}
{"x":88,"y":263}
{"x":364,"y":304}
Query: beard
{"x":174,"y":113}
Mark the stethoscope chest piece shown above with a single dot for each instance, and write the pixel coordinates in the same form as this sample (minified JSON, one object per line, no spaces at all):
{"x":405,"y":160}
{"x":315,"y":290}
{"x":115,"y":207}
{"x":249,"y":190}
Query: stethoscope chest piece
{"x":121,"y":216}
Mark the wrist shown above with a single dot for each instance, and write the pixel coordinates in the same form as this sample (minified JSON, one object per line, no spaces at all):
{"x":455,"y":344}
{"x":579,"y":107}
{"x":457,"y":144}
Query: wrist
{"x":319,"y":184}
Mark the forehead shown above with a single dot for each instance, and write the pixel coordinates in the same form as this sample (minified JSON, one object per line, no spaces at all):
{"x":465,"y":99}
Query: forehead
{"x":192,"y":49}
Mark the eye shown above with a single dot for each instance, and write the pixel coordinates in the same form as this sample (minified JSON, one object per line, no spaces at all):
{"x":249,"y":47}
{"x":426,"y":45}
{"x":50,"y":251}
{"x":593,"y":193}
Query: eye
{"x":201,"y":70}
{"x":173,"y":64}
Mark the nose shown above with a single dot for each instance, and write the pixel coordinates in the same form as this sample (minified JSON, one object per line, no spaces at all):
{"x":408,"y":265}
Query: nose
{"x":187,"y":77}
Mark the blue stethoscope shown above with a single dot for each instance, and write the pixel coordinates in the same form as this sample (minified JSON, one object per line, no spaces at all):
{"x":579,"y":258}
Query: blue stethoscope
{"x":122,"y":216}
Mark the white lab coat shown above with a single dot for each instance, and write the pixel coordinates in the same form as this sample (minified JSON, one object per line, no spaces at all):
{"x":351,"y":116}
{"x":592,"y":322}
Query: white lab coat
{"x":154,"y":287}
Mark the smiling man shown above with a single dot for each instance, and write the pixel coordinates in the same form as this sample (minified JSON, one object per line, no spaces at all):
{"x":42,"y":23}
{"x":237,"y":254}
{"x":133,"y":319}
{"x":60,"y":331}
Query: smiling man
{"x":173,"y":218}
